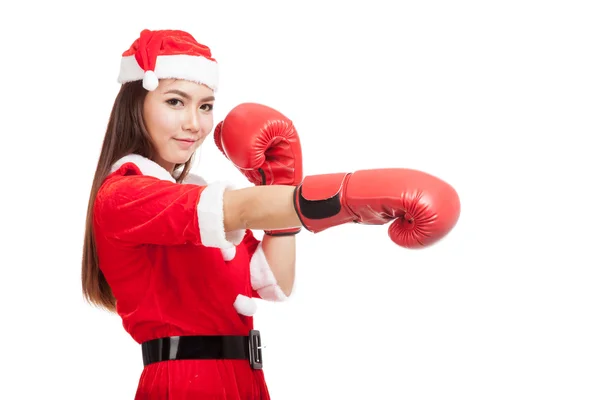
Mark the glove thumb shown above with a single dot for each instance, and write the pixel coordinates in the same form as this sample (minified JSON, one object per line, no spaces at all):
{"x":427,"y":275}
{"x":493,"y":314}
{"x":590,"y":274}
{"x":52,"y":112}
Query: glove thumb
{"x":217,"y":137}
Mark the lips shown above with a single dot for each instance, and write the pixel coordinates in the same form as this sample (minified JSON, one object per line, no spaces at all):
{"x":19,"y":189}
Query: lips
{"x":186,"y":143}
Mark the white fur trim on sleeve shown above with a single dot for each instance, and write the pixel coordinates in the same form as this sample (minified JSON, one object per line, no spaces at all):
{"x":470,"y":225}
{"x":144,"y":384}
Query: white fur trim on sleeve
{"x":210,"y":218}
{"x":262,"y":278}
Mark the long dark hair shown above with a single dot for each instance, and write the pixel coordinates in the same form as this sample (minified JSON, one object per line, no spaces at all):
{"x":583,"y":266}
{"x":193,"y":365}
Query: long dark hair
{"x":125,"y":134}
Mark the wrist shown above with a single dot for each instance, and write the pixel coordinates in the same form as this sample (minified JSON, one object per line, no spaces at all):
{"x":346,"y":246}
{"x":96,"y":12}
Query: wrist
{"x":283,"y":232}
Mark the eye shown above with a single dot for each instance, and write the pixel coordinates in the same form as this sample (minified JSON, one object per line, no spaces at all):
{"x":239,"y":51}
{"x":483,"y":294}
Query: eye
{"x":206,"y":107}
{"x":173,"y":102}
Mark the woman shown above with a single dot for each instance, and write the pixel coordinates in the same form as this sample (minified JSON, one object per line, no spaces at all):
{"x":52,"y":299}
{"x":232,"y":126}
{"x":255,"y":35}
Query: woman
{"x":176,"y":258}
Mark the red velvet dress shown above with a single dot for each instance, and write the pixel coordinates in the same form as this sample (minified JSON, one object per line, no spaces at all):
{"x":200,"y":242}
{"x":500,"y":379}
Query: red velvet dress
{"x":173,"y":271}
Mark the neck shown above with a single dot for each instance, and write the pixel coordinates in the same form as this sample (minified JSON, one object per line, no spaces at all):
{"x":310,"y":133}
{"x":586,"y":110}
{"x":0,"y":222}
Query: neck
{"x":170,"y":167}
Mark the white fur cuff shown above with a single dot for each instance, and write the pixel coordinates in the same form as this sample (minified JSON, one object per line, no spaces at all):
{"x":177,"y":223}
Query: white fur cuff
{"x":210,"y":218}
{"x":262,"y":278}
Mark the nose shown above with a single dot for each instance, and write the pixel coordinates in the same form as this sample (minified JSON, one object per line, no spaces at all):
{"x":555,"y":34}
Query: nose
{"x":192,"y":121}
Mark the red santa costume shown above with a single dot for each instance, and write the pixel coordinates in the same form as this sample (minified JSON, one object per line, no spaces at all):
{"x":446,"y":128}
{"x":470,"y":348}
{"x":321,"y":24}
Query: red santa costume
{"x":184,"y":288}
{"x":173,"y":270}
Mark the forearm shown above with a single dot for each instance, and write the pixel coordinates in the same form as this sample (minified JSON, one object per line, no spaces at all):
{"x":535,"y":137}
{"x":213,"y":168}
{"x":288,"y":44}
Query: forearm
{"x":260,"y":208}
{"x":280,"y":252}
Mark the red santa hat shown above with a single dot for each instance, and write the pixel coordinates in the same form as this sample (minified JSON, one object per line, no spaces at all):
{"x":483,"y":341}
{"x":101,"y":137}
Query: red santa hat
{"x":168,"y":54}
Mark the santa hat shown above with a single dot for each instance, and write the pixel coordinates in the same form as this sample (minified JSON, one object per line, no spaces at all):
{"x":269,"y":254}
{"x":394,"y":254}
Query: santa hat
{"x":168,"y":54}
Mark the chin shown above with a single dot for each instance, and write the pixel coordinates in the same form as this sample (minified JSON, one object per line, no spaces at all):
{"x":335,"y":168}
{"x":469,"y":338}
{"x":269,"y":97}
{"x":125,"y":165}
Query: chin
{"x":179,"y":160}
{"x":182,"y":157}
{"x":177,"y":155}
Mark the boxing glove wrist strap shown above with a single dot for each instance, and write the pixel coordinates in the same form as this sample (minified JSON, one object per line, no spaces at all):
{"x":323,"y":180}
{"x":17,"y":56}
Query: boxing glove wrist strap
{"x":318,"y":202}
{"x":283,"y":232}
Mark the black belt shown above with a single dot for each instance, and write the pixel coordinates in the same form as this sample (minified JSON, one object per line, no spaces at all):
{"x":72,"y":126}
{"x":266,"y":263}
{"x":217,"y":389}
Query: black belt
{"x":205,"y":348}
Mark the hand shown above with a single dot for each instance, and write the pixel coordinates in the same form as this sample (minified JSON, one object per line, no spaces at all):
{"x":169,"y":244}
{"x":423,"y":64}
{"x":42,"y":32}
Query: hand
{"x":264,"y":145}
{"x":422,"y":207}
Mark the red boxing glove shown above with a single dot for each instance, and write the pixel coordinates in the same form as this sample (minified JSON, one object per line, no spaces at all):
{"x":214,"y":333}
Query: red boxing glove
{"x":263,"y":144}
{"x":424,"y":208}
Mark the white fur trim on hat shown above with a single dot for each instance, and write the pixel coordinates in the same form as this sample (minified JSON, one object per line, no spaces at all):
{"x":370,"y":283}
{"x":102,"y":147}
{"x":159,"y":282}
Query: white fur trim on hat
{"x":262,"y":278}
{"x":179,"y":66}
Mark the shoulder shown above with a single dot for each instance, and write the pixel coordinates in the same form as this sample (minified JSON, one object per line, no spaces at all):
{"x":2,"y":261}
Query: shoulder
{"x":128,"y":173}
{"x":134,"y":175}
{"x":129,"y":177}
{"x":134,"y":164}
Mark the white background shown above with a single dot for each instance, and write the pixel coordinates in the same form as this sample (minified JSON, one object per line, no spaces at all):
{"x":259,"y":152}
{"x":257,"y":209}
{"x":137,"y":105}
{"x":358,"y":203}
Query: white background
{"x":501,"y":99}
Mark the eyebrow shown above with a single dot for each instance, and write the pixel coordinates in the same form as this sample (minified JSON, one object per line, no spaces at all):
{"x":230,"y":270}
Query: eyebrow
{"x":187,"y":96}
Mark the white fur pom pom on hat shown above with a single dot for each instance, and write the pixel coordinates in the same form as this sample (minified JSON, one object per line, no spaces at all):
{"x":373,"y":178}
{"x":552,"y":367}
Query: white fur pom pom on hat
{"x":150,"y":81}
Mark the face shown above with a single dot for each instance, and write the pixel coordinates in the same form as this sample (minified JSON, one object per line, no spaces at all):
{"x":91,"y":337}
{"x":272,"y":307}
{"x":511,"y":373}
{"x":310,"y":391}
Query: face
{"x":178,"y":115}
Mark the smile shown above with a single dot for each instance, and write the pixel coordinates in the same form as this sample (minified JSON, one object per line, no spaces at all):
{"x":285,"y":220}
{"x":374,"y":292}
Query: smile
{"x":185,"y":143}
